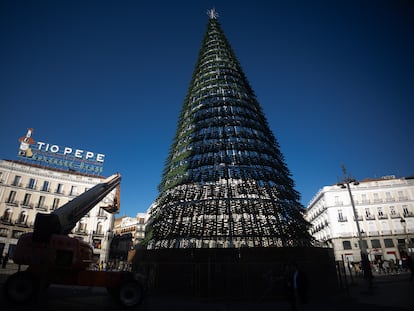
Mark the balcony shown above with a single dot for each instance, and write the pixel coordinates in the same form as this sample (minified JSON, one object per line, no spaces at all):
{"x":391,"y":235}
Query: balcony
{"x":342,"y":219}
{"x":27,"y":205}
{"x":12,"y":203}
{"x":80,"y":232}
{"x":383,"y":216}
{"x":24,"y":223}
{"x":98,"y":233}
{"x":409,"y":214}
{"x":6,"y":221}
{"x":394,"y":216}
{"x":42,"y":207}
{"x":369,"y":217}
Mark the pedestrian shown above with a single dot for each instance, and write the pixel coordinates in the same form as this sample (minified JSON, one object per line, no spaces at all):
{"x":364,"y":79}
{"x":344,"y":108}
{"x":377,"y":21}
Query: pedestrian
{"x":400,"y":265}
{"x":5,"y":260}
{"x":296,"y":286}
{"x":393,"y":266}
{"x":381,"y":266}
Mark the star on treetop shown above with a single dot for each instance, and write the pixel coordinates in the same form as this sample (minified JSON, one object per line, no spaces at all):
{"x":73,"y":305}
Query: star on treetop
{"x":212,"y":13}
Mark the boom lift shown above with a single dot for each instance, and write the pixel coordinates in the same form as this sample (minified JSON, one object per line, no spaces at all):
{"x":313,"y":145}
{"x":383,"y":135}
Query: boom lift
{"x":53,"y":257}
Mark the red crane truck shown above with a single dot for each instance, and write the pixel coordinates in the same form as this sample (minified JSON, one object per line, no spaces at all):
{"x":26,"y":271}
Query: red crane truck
{"x":52,"y":257}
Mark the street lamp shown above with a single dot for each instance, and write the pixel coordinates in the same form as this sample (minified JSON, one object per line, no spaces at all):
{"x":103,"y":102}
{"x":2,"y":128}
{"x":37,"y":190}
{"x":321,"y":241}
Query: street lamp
{"x":406,"y":239}
{"x":366,"y":266}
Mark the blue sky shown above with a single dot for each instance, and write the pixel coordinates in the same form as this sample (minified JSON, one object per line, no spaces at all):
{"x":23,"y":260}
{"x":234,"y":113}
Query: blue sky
{"x":334,"y":78}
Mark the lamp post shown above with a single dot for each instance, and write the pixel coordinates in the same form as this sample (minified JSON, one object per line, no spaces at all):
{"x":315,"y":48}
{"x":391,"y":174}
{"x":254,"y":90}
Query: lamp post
{"x":406,"y":238}
{"x":366,"y":266}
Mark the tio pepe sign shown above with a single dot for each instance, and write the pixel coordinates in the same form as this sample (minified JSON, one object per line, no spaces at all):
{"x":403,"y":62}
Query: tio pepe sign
{"x":55,"y":155}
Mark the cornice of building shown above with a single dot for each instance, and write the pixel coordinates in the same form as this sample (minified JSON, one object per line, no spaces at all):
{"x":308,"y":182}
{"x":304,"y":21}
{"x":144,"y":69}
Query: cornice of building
{"x":25,"y":167}
{"x":48,"y":168}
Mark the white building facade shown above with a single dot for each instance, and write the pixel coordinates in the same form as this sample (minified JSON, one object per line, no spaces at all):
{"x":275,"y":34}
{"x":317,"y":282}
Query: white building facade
{"x":385,"y":212}
{"x":26,"y":189}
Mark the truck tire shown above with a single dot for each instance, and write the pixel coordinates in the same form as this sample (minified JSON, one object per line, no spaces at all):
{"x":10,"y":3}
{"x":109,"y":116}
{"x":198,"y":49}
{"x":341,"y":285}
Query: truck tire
{"x":130,"y":294}
{"x":20,"y":287}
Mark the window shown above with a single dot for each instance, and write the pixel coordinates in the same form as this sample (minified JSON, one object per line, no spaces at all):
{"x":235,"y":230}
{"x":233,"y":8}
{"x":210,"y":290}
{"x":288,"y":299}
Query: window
{"x":4,"y":232}
{"x":22,"y":218}
{"x":99,"y":229}
{"x":401,"y":196}
{"x":405,"y":210}
{"x":55,"y":203}
{"x":364,"y":198}
{"x":375,"y":243}
{"x":392,"y":211}
{"x":16,"y":234}
{"x":380,"y":213}
{"x":73,"y":190}
{"x":12,"y":197}
{"x":82,"y":227}
{"x":7,"y":215}
{"x":341,"y":217}
{"x":17,"y":180}
{"x":41,"y":202}
{"x":59,"y":188}
{"x":26,"y":200}
{"x":32,"y":183}
{"x":45,"y":186}
{"x":388,"y":243}
{"x":338,"y":201}
{"x":347,"y":244}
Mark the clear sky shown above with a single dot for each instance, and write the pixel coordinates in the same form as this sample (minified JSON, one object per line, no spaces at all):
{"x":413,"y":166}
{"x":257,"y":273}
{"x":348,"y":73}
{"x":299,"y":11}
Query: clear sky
{"x":335,"y":80}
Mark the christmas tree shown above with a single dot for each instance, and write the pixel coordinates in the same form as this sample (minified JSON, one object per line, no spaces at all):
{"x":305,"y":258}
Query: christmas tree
{"x":225,"y":181}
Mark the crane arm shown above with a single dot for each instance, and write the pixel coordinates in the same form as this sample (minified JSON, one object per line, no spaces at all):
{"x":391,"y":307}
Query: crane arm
{"x":64,"y":219}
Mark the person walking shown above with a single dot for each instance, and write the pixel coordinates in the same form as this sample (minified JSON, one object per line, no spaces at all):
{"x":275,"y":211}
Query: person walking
{"x":296,"y":284}
{"x":5,"y":260}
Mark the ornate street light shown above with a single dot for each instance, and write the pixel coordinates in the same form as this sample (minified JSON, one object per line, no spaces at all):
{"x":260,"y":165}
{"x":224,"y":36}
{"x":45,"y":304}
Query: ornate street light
{"x":406,"y":239}
{"x":366,"y":266}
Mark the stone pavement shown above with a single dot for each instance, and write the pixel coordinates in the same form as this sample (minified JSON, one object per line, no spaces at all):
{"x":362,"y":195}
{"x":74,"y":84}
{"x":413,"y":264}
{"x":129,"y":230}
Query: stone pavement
{"x":389,"y":293}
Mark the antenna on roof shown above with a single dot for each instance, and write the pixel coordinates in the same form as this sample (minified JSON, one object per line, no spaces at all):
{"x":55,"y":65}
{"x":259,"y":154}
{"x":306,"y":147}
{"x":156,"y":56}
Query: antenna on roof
{"x":212,"y":13}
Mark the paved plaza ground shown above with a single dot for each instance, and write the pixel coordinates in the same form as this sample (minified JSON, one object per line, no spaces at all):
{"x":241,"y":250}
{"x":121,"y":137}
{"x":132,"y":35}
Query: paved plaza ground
{"x":391,"y":292}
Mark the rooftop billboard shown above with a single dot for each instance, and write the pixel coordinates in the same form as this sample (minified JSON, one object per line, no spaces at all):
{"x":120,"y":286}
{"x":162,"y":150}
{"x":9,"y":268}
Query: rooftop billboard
{"x":54,"y":155}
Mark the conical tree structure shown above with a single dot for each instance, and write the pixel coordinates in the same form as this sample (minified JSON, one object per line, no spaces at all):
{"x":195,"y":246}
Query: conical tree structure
{"x":225,"y":182}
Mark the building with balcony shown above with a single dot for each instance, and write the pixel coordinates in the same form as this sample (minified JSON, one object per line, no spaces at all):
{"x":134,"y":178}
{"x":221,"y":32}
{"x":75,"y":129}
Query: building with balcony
{"x":27,"y":189}
{"x":385,"y":212}
{"x":128,"y":232}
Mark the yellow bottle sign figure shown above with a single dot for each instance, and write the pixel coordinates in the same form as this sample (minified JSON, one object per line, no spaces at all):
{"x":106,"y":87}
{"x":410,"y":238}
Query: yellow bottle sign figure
{"x":25,"y":142}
